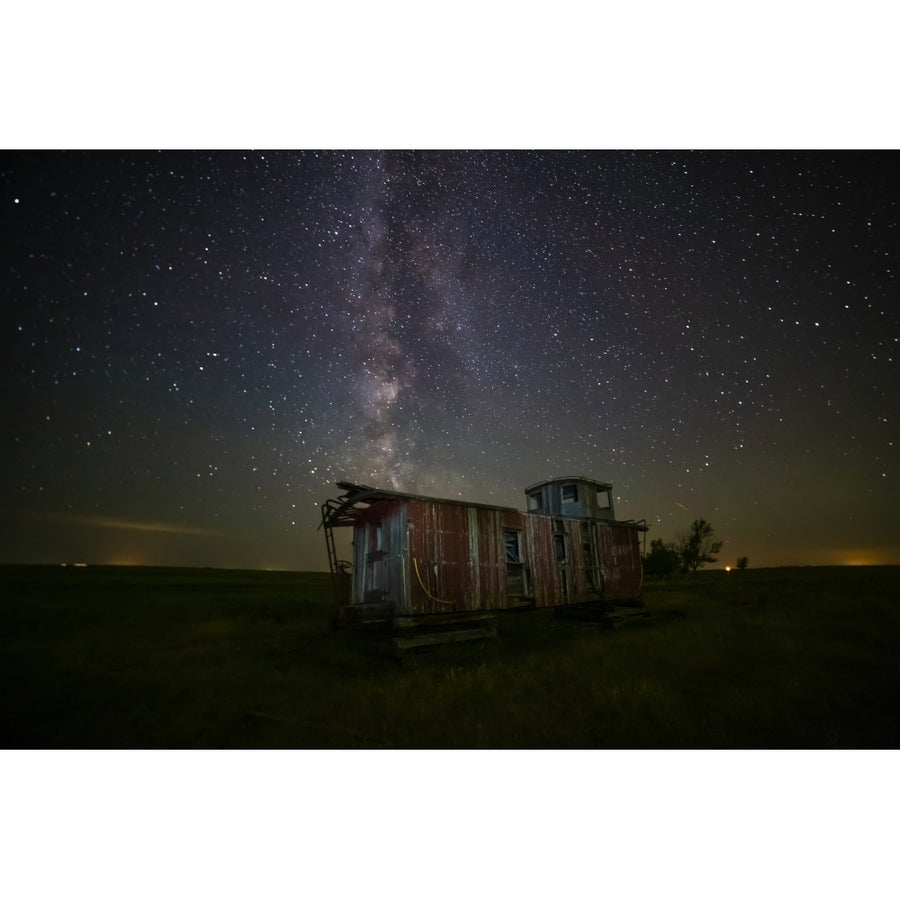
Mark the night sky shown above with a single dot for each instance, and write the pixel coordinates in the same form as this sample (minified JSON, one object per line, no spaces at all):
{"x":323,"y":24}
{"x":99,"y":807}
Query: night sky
{"x":197,"y":345}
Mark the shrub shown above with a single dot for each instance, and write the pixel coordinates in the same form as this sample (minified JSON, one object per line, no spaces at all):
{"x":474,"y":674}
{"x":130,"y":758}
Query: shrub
{"x":662,"y":560}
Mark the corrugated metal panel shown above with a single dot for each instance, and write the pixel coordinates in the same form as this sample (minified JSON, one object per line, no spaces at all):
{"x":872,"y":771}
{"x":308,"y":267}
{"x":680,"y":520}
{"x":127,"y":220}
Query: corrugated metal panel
{"x":379,"y":538}
{"x":359,"y":560}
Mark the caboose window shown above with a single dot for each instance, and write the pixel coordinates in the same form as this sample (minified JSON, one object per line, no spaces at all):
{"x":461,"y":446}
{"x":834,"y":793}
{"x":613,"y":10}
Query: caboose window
{"x":569,"y":494}
{"x":515,"y":568}
{"x":512,"y":540}
{"x":559,"y":548}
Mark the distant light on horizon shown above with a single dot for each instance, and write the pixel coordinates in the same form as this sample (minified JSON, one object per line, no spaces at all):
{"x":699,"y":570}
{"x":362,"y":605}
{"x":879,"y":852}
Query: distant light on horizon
{"x":864,"y":558}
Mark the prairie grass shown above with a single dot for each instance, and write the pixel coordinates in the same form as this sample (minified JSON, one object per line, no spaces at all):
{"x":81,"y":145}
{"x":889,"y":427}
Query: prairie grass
{"x":182,"y":658}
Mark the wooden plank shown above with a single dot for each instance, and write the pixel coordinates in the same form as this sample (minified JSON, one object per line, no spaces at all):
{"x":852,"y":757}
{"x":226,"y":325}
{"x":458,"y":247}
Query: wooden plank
{"x":451,"y":620}
{"x":430,"y":639}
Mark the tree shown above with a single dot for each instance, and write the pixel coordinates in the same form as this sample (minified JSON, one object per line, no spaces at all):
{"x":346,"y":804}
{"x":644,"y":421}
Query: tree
{"x":697,"y":547}
{"x":662,"y":560}
{"x":742,"y":562}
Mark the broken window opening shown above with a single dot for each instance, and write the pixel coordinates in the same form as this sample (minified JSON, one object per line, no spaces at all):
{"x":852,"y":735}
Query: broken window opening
{"x":559,"y":548}
{"x":516,"y":584}
{"x":512,"y":540}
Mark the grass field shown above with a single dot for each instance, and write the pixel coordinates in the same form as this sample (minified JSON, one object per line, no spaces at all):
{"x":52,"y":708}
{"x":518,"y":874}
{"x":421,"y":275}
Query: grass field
{"x":188,"y":658}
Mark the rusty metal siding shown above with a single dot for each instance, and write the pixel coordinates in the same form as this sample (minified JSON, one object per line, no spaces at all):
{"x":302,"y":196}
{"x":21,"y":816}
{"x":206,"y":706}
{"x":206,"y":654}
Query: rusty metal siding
{"x":594,"y":548}
{"x":490,"y":565}
{"x":420,"y":548}
{"x":620,"y":553}
{"x":540,"y":561}
{"x":579,"y":586}
{"x":438,"y":557}
{"x":629,"y":556}
{"x":432,"y":588}
{"x":608,"y":547}
{"x":456,"y":557}
{"x":454,"y":587}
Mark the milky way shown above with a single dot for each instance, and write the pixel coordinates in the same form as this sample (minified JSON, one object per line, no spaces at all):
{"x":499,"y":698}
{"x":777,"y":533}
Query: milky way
{"x":198,"y":345}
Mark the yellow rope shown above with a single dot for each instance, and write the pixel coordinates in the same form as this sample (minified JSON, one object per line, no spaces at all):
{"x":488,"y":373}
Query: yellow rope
{"x":427,"y":594}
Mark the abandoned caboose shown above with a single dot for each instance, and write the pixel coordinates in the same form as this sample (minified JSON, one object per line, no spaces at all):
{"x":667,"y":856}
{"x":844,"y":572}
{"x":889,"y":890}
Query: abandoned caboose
{"x":417,"y":556}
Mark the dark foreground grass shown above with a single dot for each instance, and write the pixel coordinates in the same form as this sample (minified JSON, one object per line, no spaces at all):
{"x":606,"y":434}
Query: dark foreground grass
{"x":182,"y":658}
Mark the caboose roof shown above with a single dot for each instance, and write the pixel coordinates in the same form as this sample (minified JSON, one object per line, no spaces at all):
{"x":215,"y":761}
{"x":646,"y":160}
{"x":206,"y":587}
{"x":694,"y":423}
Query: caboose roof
{"x":358,"y":497}
{"x":569,"y":479}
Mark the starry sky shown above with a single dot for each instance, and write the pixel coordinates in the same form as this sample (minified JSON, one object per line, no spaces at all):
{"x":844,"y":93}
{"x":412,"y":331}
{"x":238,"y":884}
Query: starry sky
{"x":197,"y":345}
